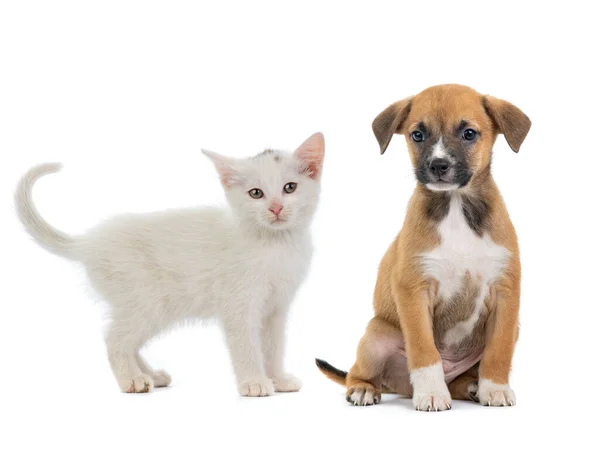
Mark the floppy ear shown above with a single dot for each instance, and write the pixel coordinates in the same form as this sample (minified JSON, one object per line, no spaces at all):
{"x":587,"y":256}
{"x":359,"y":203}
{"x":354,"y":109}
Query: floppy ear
{"x":225,"y":167}
{"x":311,"y":153}
{"x":509,"y":120}
{"x":390,"y":121}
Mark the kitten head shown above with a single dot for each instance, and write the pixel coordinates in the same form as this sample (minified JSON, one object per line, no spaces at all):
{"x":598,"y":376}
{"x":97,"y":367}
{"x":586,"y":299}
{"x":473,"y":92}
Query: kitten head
{"x":274,"y":190}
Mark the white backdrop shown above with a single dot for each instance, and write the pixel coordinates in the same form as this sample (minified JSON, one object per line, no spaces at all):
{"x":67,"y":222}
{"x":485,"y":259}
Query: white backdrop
{"x":126,"y":93}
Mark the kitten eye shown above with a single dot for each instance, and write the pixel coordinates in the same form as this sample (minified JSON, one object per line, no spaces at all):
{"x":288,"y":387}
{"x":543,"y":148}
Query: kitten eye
{"x":469,"y":134}
{"x":255,"y":193}
{"x":290,"y":187}
{"x":417,"y":136}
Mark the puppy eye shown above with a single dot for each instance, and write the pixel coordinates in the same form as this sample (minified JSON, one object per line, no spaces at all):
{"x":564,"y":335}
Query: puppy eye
{"x":255,"y":193}
{"x":290,"y":187}
{"x":469,"y":134}
{"x":417,"y":136}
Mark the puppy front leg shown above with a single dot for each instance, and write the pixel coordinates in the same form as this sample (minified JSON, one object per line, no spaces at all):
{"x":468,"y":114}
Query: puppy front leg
{"x":502,"y":330}
{"x":430,"y":391}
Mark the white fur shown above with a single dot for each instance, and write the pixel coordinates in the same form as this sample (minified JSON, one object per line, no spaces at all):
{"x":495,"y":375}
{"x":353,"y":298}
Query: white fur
{"x":460,"y":252}
{"x":240,"y":265}
{"x":492,"y":394}
{"x":439,"y":150}
{"x":464,"y":328}
{"x":442,"y":186}
{"x":430,"y":391}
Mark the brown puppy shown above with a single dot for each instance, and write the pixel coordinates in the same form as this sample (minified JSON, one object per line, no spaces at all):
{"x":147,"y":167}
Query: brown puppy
{"x":447,"y":295}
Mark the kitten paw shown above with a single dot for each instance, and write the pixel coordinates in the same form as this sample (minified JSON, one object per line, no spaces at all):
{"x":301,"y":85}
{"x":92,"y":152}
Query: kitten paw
{"x":498,"y":395}
{"x":138,"y":384}
{"x":287,"y":383}
{"x":161,"y":378}
{"x":259,"y":387}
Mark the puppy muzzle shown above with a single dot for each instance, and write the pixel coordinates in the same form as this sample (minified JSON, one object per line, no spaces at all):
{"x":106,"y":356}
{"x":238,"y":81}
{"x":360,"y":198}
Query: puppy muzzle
{"x":442,"y":174}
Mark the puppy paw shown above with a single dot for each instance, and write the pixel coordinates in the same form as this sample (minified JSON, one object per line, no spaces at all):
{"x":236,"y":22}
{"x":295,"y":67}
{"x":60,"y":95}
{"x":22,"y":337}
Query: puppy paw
{"x":430,"y":392}
{"x":161,"y":378}
{"x":498,"y":395}
{"x":258,"y":387}
{"x":363,"y":395}
{"x":472,"y":390}
{"x":138,"y":384}
{"x":287,"y":383}
{"x":432,"y":402}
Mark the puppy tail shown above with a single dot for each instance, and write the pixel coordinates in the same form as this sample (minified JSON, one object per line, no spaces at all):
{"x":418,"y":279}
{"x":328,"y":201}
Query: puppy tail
{"x":42,"y":232}
{"x":339,"y":376}
{"x":332,"y":372}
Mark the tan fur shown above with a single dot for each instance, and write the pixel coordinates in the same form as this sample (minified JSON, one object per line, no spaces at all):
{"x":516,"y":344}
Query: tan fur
{"x":406,"y":305}
{"x":460,"y":387}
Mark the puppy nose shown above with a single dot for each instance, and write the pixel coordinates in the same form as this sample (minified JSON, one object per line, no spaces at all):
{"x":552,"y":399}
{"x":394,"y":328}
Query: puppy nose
{"x":439,"y":166}
{"x":276,"y":209}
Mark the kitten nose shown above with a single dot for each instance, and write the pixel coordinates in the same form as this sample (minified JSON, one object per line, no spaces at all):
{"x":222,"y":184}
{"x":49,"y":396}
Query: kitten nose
{"x":276,"y":209}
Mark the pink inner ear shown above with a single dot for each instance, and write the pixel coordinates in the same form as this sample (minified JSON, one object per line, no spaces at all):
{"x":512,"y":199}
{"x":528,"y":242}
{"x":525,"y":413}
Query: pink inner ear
{"x":226,"y":173}
{"x":311,"y":153}
{"x":226,"y":177}
{"x":224,"y":166}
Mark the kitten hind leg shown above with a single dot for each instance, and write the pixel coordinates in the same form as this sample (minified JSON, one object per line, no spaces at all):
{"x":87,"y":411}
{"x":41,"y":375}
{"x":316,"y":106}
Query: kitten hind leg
{"x":122,"y":347}
{"x":160,"y":377}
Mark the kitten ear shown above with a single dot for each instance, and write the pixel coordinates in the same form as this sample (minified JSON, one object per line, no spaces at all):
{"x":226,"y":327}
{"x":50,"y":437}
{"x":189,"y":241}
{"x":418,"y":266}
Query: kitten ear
{"x":225,"y":167}
{"x":311,"y":153}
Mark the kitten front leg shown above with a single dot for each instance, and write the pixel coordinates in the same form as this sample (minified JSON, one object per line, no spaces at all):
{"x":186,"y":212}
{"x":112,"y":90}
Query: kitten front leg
{"x":273,"y":340}
{"x":242,"y":332}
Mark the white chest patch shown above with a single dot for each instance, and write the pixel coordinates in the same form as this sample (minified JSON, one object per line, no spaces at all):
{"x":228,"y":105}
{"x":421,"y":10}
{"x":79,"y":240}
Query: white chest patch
{"x":462,"y":252}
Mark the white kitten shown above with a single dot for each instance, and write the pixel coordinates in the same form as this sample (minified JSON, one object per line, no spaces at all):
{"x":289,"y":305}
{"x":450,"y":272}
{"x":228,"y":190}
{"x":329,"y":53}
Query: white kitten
{"x":241,"y":266}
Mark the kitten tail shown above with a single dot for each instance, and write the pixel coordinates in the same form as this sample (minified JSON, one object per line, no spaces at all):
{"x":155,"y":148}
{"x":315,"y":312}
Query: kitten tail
{"x":46,"y":236}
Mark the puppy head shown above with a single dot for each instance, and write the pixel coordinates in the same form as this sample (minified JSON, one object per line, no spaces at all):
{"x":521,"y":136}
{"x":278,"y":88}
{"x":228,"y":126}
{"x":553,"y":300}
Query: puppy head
{"x":450,"y":131}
